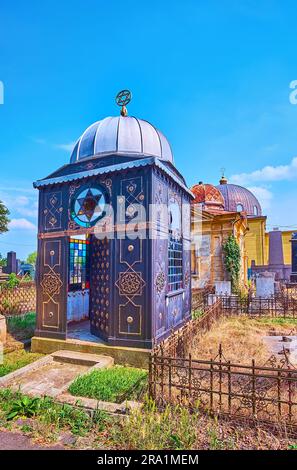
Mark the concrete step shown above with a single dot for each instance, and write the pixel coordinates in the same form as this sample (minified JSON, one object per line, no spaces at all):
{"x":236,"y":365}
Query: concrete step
{"x":84,"y":359}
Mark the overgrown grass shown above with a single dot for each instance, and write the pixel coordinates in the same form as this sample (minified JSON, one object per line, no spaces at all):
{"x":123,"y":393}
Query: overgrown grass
{"x":51,"y":417}
{"x":144,"y":429}
{"x":286,"y":322}
{"x":17,"y":359}
{"x":21,"y":326}
{"x":147,"y":429}
{"x":242,"y":338}
{"x":115,"y":384}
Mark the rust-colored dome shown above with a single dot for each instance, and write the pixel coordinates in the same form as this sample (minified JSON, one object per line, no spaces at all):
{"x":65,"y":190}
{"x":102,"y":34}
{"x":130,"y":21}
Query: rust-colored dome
{"x":208,"y":195}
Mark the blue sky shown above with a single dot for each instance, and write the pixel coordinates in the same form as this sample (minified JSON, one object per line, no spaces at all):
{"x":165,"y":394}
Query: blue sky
{"x":212,"y":75}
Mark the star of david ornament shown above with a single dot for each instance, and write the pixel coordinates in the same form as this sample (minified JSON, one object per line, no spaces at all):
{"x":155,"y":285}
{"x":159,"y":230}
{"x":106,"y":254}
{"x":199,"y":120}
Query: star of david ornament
{"x":122,"y":99}
{"x":89,"y":206}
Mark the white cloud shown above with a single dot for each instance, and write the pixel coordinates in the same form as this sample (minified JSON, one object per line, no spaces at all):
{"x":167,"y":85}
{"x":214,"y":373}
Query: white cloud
{"x":27,"y":212}
{"x":268,"y":173}
{"x":21,"y":224}
{"x":263,"y":195}
{"x":20,"y":204}
{"x":68,"y":147}
{"x":22,"y":200}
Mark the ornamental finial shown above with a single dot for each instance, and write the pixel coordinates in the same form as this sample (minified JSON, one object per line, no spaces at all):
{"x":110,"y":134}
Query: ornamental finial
{"x":122,"y":99}
{"x":223,"y":179}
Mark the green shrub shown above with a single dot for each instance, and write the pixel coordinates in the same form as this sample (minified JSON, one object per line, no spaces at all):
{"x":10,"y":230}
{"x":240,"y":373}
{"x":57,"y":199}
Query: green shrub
{"x":115,"y":385}
{"x":23,"y":407}
{"x":197,"y":314}
{"x":232,"y":260}
{"x":12,"y":281}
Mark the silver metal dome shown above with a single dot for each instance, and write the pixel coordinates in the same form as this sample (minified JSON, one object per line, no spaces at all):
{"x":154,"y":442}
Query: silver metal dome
{"x":123,"y":135}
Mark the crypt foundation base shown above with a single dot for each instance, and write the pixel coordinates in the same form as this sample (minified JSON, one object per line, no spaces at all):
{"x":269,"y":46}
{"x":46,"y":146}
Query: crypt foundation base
{"x":134,"y":357}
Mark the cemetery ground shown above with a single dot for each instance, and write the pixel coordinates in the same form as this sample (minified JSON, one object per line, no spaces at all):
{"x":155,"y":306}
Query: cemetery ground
{"x":243,"y":338}
{"x":20,"y":329}
{"x":43,"y":422}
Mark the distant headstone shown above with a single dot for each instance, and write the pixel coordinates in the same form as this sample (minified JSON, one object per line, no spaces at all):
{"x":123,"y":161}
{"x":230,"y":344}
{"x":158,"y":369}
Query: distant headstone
{"x":211,"y":300}
{"x":276,"y":254}
{"x":223,"y":288}
{"x":2,"y":329}
{"x":11,"y":266}
{"x":265,"y":285}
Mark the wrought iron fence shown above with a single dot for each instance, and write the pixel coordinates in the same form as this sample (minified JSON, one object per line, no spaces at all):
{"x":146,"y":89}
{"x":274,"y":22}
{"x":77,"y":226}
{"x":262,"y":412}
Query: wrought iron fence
{"x":199,"y":298}
{"x":182,"y":340}
{"x":284,"y":304}
{"x":276,"y":306}
{"x":266,"y":393}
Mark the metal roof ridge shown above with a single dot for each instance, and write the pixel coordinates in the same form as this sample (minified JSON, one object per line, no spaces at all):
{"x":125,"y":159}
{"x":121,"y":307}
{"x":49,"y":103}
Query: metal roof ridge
{"x":110,"y":169}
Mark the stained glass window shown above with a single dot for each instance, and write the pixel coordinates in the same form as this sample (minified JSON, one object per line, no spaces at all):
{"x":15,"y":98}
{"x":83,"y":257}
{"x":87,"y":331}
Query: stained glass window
{"x":78,"y":263}
{"x":175,"y":249}
{"x":89,"y":206}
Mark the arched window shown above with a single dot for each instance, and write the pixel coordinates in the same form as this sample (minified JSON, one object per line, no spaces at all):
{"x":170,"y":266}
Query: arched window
{"x":239,"y":207}
{"x":255,"y":210}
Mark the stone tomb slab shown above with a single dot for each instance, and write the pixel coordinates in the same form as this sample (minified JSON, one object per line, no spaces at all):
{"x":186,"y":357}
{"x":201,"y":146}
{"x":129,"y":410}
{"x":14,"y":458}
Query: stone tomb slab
{"x":53,"y":374}
{"x":277,"y":344}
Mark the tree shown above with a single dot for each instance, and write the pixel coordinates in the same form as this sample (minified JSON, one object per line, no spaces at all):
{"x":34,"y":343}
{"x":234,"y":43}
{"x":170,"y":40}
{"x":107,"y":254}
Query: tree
{"x":4,"y":220}
{"x":232,"y":260}
{"x":3,"y":261}
{"x":31,"y":259}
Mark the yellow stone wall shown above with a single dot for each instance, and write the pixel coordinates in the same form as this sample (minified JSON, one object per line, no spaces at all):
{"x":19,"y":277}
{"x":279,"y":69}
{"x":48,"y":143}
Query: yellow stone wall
{"x":286,"y":237}
{"x":255,"y":241}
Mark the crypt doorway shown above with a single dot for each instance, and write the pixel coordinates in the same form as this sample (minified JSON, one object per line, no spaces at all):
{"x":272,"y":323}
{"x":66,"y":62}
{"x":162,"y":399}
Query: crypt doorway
{"x":88,"y":299}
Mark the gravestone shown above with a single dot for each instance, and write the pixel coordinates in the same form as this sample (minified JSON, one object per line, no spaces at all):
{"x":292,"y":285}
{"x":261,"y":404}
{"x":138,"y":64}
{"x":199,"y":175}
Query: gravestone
{"x":211,"y":299}
{"x":2,"y":329}
{"x":265,"y":285}
{"x":223,"y":287}
{"x":11,"y":266}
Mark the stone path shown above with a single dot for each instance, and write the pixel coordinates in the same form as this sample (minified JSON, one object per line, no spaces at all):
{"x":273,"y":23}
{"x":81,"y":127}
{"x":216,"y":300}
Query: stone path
{"x":17,"y":441}
{"x":53,"y":374}
{"x":50,"y":379}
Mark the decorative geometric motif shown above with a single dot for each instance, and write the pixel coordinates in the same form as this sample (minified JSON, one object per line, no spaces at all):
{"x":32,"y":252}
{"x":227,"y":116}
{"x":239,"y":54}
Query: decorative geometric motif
{"x":51,"y":283}
{"x":53,"y":210}
{"x":160,"y":281}
{"x":130,"y":283}
{"x":72,"y":189}
{"x":108,"y":183}
{"x":132,"y":194}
